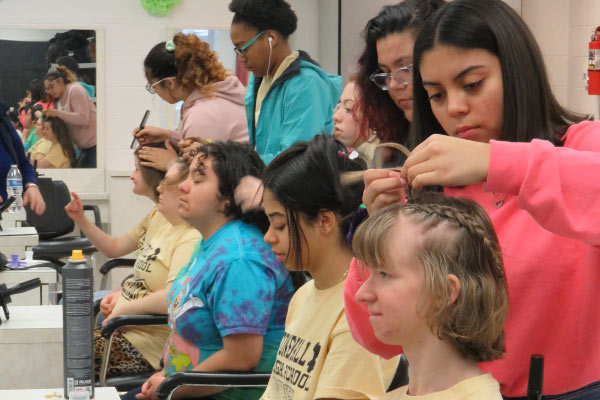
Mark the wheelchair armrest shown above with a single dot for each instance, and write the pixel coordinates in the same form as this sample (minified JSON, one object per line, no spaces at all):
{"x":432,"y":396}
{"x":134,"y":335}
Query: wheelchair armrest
{"x":129,"y":320}
{"x":96,"y":210}
{"x":116,"y":262}
{"x":225,"y":379}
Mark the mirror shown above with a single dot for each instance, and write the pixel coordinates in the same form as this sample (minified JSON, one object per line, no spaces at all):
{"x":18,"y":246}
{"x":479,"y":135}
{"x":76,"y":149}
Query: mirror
{"x":68,"y":138}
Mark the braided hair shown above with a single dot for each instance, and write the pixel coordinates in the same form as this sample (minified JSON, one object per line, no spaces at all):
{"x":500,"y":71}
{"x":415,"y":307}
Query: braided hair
{"x":457,"y":238}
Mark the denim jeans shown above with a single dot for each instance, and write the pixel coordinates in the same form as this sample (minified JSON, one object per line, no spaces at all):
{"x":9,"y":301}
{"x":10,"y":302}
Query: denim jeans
{"x":588,"y":392}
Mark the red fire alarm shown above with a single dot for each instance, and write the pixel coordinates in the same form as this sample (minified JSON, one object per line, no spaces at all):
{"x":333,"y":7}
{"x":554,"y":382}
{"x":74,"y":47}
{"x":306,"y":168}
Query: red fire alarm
{"x":594,"y":64}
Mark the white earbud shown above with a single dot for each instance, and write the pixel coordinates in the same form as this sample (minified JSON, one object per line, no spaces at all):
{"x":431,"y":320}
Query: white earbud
{"x":270,"y":41}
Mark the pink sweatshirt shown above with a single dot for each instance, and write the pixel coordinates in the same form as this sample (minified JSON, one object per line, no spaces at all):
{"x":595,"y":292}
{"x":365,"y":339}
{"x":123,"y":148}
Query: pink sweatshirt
{"x":549,"y":230}
{"x":79,"y":113}
{"x":220,"y":117}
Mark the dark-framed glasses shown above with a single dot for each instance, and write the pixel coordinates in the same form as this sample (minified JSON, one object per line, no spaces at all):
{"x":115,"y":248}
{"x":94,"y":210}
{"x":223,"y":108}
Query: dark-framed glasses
{"x":242,"y":50}
{"x":150,"y":86}
{"x":402,"y":75}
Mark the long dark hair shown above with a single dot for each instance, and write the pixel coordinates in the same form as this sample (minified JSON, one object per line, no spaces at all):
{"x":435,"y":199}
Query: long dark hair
{"x":305,"y":179}
{"x":231,"y":161}
{"x":530,"y":110}
{"x":63,"y":137}
{"x":380,"y":113}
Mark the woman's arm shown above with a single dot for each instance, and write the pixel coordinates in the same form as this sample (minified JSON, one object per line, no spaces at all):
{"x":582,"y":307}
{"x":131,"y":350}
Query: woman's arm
{"x":240,"y":353}
{"x":154,"y":303}
{"x":557,"y":186}
{"x":111,"y":247}
{"x":79,"y":107}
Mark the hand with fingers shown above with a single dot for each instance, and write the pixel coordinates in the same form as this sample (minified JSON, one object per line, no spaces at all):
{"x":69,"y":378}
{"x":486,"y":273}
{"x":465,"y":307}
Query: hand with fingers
{"x":382,"y":188}
{"x":249,"y":193}
{"x":150,"y":134}
{"x":157,"y":158}
{"x":75,"y":209}
{"x":447,"y":161}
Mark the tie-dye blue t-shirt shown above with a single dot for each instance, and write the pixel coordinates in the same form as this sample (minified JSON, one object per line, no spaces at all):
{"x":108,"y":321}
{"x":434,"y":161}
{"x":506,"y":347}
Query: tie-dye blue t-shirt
{"x":232,"y":285}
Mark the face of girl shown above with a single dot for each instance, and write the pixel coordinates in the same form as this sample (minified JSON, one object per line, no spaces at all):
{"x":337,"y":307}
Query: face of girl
{"x":278,"y":234}
{"x":140,"y":187}
{"x":168,"y":198}
{"x":54,"y":88}
{"x":256,"y":57}
{"x":38,"y":126}
{"x":466,"y":93}
{"x":394,"y":292}
{"x":47,"y":131}
{"x":164,"y":89}
{"x":346,"y":127}
{"x":395,"y":51}
{"x":198,"y":197}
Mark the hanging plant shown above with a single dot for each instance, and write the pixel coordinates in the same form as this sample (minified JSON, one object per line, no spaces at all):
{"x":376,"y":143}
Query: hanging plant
{"x":159,"y":7}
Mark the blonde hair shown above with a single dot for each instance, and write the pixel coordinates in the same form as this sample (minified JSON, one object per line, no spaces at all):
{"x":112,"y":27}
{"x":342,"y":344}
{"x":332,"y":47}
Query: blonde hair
{"x":459,"y":239}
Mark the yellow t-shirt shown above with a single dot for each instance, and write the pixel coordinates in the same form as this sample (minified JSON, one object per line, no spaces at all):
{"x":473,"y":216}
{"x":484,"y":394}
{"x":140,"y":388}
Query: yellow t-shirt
{"x":42,"y":147}
{"x":158,"y":262}
{"x":56,"y":157}
{"x":265,"y":84}
{"x":318,"y":358}
{"x":146,"y":228}
{"x":482,"y":387}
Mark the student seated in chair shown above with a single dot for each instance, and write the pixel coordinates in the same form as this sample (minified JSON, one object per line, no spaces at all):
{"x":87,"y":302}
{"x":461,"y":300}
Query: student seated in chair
{"x":164,"y":243}
{"x":437,"y":287}
{"x":227,"y":306}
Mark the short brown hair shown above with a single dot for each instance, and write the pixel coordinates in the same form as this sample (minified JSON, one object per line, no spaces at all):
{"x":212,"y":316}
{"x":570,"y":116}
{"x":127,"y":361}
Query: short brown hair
{"x":153,"y":177}
{"x":459,"y":239}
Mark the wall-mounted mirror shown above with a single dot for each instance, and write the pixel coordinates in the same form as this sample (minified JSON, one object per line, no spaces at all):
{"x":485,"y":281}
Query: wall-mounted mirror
{"x":56,"y":115}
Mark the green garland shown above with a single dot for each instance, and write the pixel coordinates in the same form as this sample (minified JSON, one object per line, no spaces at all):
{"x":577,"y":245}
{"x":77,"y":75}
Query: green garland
{"x":159,"y":7}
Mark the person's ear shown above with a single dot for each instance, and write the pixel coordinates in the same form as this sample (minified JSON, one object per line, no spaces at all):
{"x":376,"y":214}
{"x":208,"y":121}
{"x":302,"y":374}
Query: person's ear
{"x":326,"y":221}
{"x":454,"y":288}
{"x":272,"y":39}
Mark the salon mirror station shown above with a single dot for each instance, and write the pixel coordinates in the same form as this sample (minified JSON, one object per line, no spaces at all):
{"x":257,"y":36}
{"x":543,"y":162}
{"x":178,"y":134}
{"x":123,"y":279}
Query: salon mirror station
{"x":49,"y":83}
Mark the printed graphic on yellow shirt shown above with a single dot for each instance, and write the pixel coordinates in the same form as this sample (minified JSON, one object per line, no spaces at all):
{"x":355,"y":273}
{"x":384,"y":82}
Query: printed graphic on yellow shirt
{"x":136,"y":287}
{"x":296,"y":359}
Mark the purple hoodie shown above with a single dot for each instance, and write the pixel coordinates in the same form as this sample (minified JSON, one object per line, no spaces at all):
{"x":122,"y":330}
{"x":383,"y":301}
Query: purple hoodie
{"x":220,"y":117}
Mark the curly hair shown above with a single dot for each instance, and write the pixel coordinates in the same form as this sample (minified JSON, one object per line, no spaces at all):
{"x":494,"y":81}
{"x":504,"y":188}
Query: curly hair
{"x":265,"y":14}
{"x":192,"y":63}
{"x":457,"y":238}
{"x":382,"y":115}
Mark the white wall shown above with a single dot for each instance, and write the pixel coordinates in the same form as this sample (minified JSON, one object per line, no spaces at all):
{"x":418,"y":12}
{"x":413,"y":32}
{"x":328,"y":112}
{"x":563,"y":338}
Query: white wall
{"x":563,"y":28}
{"x":129,"y":33}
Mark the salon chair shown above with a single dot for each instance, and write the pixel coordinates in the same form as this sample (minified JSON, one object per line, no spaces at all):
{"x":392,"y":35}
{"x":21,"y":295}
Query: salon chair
{"x":126,"y":383}
{"x":54,"y":223}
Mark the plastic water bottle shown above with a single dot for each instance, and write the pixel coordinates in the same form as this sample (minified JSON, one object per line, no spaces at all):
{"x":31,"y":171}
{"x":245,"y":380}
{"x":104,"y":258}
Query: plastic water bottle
{"x":78,"y":325}
{"x":14,"y":187}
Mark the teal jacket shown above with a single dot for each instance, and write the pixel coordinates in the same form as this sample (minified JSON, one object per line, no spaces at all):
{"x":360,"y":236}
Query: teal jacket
{"x":298,"y":106}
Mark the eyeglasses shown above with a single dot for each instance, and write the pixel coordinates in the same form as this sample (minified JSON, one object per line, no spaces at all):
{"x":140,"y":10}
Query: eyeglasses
{"x":50,"y":86}
{"x":242,"y":50}
{"x":150,"y":86}
{"x":402,"y":75}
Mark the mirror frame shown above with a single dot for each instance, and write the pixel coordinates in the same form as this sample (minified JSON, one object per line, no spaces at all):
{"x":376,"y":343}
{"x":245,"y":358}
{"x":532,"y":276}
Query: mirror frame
{"x":89,"y":182}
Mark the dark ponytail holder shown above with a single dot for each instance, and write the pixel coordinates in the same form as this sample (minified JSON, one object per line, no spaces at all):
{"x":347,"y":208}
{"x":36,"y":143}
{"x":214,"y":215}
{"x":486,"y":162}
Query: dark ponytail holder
{"x":358,"y":217}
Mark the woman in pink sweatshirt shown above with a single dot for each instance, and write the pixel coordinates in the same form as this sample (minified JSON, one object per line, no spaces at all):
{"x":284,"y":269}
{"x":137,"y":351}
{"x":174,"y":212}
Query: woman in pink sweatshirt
{"x":74,"y":106}
{"x":186,"y":69}
{"x":533,"y":166}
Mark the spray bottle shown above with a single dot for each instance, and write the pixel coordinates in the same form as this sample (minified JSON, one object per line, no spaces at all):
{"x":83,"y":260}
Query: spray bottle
{"x":78,"y":325}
